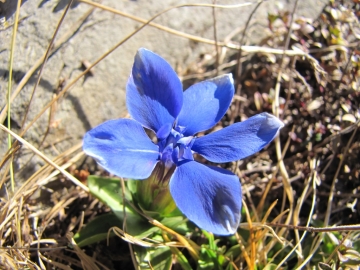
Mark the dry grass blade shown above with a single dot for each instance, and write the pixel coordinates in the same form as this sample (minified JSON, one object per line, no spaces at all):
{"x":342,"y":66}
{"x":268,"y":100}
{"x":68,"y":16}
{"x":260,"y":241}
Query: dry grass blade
{"x":230,"y":45}
{"x":8,"y":110}
{"x":54,"y":263}
{"x":62,"y":40}
{"x":7,"y":261}
{"x":69,"y":162}
{"x":316,"y":150}
{"x":46,"y":56}
{"x":190,"y":245}
{"x":32,"y":148}
{"x":146,"y":23}
{"x":148,"y":243}
{"x":287,"y":186}
{"x":251,"y":242}
{"x":12,"y":151}
{"x":193,"y":248}
{"x":244,"y":253}
{"x":258,"y":226}
{"x":298,"y":248}
{"x":87,"y":262}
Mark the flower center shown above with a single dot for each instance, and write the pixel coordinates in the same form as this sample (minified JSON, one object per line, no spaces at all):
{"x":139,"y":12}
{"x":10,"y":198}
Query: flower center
{"x":175,"y":148}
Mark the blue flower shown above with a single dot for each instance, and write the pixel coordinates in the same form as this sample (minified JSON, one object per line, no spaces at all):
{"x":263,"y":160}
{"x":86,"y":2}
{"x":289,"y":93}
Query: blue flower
{"x":209,"y":196}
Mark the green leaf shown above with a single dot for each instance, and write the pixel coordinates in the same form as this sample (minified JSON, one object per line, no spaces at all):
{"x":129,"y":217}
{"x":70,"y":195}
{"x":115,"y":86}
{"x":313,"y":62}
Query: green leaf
{"x":108,"y":190}
{"x":96,"y":230}
{"x":270,"y":266}
{"x":178,"y":224}
{"x":182,"y":260}
{"x":153,"y":258}
{"x":161,"y":259}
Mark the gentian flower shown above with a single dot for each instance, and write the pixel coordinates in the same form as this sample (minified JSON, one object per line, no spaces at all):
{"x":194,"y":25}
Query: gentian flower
{"x":208,"y":195}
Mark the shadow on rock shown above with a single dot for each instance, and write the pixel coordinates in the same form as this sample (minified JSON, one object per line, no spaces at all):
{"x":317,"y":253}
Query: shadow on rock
{"x":60,"y":5}
{"x":8,"y":7}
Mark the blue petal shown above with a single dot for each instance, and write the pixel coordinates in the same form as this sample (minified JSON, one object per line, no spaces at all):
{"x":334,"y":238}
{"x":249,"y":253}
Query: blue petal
{"x":205,"y":104}
{"x":208,"y":196}
{"x":153,"y":93}
{"x":122,"y":148}
{"x":238,"y":140}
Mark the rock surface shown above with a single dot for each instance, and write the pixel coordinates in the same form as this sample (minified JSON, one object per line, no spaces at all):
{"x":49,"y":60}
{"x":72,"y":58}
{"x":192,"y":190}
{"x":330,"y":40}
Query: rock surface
{"x":94,"y":99}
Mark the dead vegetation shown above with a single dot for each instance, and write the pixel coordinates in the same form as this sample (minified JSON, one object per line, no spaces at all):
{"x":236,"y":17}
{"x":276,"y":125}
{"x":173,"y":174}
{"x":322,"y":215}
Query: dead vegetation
{"x":305,"y":72}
